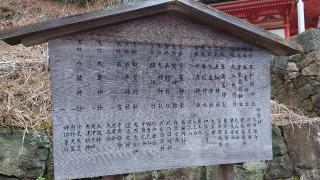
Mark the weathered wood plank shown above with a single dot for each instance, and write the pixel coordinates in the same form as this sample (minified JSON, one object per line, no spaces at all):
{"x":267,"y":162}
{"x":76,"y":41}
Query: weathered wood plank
{"x":131,"y":9}
{"x":42,"y":32}
{"x":157,"y":93}
{"x":115,"y":177}
{"x":226,"y":172}
{"x":242,"y":29}
{"x":52,"y":33}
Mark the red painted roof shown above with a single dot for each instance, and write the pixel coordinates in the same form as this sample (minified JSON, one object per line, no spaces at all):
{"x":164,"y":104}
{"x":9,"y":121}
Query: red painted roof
{"x":312,"y":8}
{"x":252,"y":9}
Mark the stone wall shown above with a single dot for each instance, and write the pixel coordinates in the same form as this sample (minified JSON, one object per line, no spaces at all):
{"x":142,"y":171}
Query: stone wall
{"x":296,"y":148}
{"x":296,"y":79}
{"x":296,"y":153}
{"x":23,"y":155}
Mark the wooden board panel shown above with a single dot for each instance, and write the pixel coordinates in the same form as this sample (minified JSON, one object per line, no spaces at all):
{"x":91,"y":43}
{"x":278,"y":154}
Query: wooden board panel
{"x":154,"y":94}
{"x":42,"y":32}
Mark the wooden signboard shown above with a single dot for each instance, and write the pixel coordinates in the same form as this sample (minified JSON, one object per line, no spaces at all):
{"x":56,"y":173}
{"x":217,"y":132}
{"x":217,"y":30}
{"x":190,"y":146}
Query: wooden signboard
{"x":156,"y":93}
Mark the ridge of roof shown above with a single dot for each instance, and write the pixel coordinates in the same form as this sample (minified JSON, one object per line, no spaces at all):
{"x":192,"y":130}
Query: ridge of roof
{"x":38,"y":33}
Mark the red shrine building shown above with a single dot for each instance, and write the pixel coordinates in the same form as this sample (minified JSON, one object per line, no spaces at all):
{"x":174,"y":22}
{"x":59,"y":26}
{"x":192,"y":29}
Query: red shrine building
{"x":278,"y":16}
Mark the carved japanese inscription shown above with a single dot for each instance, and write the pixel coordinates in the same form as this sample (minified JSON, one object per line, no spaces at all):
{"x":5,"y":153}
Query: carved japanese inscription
{"x":122,"y":106}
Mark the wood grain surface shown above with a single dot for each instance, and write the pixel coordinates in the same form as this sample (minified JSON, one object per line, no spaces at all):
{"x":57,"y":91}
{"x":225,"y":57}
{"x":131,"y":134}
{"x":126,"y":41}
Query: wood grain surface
{"x":42,"y":32}
{"x":157,"y":93}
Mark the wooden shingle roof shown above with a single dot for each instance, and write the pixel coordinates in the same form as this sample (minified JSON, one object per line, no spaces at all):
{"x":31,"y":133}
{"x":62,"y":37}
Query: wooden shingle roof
{"x":34,"y":34}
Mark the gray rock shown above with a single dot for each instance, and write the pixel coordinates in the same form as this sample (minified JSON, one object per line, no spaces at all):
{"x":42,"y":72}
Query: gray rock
{"x":192,"y":173}
{"x":308,"y":174}
{"x":276,"y":82}
{"x":316,"y":101}
{"x":300,"y":81}
{"x":303,"y":145}
{"x":316,"y":86}
{"x":49,"y":165}
{"x":307,"y":105}
{"x":23,"y":157}
{"x":279,"y":168}
{"x":309,"y":58}
{"x":292,"y":67}
{"x":290,"y":178}
{"x":183,"y":173}
{"x":312,"y":70}
{"x":272,"y":62}
{"x":295,"y":58}
{"x":140,"y":176}
{"x":288,"y":95}
{"x":279,"y":73}
{"x":281,"y":62}
{"x":8,"y":178}
{"x":255,"y":166}
{"x":274,"y":93}
{"x":251,"y":171}
{"x":293,"y":75}
{"x":310,"y":40}
{"x":279,"y":146}
{"x":306,"y":91}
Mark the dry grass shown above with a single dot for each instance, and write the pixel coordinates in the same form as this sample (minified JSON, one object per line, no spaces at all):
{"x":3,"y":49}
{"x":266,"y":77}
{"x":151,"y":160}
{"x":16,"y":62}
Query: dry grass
{"x":22,"y":12}
{"x":283,"y":114}
{"x":25,"y":100}
{"x":24,"y":86}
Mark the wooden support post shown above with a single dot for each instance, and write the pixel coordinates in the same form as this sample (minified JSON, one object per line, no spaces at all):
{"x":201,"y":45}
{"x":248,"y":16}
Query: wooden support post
{"x":226,"y":172}
{"x":115,"y":177}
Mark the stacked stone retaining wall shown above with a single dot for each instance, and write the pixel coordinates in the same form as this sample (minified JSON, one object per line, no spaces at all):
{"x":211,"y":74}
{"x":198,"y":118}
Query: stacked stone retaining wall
{"x":296,"y":147}
{"x":295,"y":79}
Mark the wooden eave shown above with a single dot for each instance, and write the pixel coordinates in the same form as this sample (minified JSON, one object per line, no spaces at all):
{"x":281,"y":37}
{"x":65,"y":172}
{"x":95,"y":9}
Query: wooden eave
{"x":38,"y":33}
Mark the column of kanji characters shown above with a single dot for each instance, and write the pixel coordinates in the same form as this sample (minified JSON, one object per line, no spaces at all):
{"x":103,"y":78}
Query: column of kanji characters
{"x":175,"y":130}
{"x":206,"y":129}
{"x":128,"y":135}
{"x":119,"y":138}
{"x":257,"y":121}
{"x":110,"y":133}
{"x":213,"y":127}
{"x":235,"y":128}
{"x":93,"y":136}
{"x":198,"y":127}
{"x":127,"y":67}
{"x":79,"y":77}
{"x":154,"y":135}
{"x":249,"y":129}
{"x":189,"y":127}
{"x":220,"y":132}
{"x":183,"y":133}
{"x":226,"y":137}
{"x":243,"y":131}
{"x":145,"y":134}
{"x":114,"y":135}
{"x":169,"y":136}
{"x":72,"y":138}
{"x":148,"y":135}
{"x":243,"y":84}
{"x":136,"y":139}
{"x":162,"y":136}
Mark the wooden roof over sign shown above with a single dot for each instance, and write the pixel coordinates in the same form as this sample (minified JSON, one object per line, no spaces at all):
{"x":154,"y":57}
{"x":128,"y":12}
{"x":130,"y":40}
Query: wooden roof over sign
{"x":42,"y":32}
